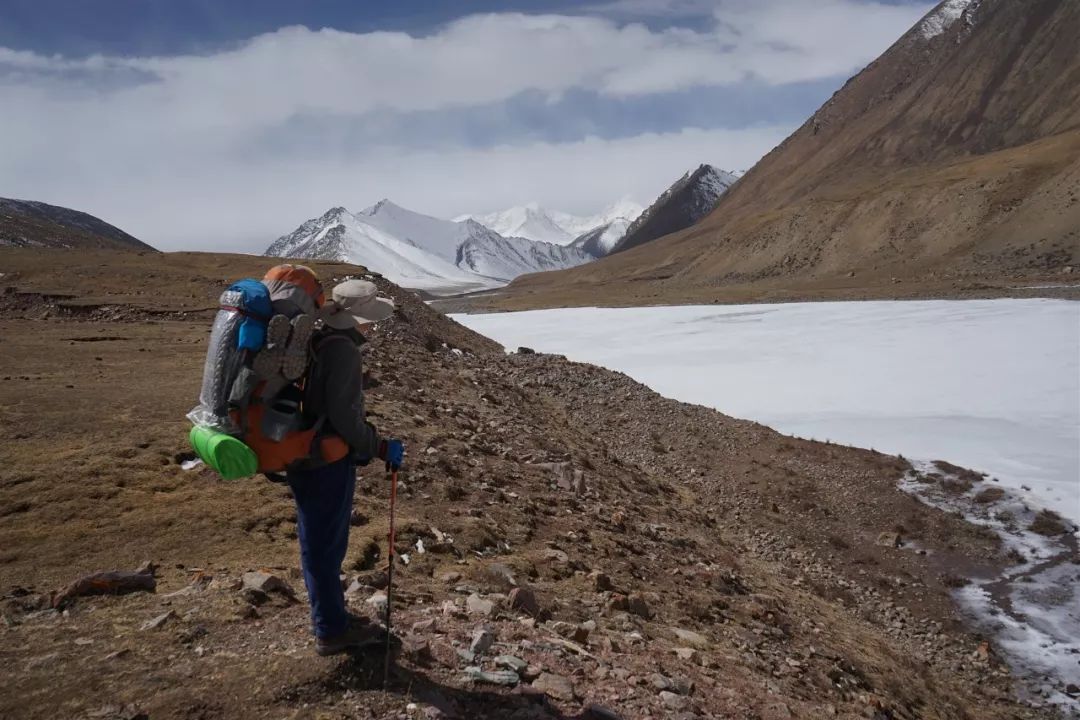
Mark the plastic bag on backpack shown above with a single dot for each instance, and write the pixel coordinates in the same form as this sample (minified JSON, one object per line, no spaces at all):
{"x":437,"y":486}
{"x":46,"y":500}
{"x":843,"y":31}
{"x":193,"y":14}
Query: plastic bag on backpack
{"x":239,"y":328}
{"x":224,"y":358}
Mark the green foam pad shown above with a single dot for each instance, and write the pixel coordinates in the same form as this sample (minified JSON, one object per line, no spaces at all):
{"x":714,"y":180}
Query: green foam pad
{"x":228,"y":456}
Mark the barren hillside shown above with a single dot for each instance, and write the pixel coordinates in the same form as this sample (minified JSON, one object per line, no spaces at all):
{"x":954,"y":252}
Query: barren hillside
{"x":621,"y":550}
{"x":26,"y":223}
{"x":951,"y":161}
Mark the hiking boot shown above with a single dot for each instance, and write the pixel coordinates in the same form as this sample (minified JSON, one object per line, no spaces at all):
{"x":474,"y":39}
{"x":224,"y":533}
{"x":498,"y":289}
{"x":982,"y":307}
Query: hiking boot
{"x":358,"y":636}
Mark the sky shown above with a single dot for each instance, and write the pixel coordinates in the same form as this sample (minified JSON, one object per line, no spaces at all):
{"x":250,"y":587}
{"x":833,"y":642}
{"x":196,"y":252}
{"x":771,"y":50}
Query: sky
{"x":221,"y":125}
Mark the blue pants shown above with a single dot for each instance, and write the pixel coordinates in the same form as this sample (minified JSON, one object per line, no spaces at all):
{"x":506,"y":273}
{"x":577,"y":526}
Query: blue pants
{"x":324,"y":498}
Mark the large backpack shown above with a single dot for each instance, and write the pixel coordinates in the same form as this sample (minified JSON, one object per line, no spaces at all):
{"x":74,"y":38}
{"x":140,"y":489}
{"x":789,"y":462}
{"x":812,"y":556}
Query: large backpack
{"x":251,"y":415}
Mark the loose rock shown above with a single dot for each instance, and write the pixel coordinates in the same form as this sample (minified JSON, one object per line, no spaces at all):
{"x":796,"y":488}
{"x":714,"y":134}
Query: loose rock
{"x":556,"y":686}
{"x":636,"y":604}
{"x":160,"y":620}
{"x":524,"y":599}
{"x":691,"y":638}
{"x":482,"y":640}
{"x":672,"y":700}
{"x":507,"y":678}
{"x":267,"y":583}
{"x":477,"y":605}
{"x":510,"y":662}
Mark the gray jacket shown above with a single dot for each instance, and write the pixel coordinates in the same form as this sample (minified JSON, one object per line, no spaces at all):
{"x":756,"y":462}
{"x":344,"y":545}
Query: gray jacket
{"x":335,"y":389}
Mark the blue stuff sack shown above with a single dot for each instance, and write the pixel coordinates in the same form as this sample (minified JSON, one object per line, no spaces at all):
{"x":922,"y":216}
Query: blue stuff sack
{"x":254,"y":303}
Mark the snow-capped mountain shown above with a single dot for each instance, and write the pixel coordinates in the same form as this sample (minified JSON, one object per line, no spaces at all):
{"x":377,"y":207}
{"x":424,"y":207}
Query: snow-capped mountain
{"x":526,"y":221}
{"x":493,"y":255}
{"x":341,"y":235}
{"x":422,"y":252}
{"x":624,"y":210}
{"x":534,"y":222}
{"x":601,"y":240}
{"x":691,"y":198}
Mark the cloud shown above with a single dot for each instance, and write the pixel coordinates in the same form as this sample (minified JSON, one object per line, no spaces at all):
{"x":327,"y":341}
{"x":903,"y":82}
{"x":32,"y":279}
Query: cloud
{"x":181,"y":148}
{"x":190,"y":203}
{"x":487,"y":58}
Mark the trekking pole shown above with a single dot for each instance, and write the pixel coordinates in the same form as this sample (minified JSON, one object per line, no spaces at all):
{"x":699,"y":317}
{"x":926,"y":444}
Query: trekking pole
{"x":390,"y":578}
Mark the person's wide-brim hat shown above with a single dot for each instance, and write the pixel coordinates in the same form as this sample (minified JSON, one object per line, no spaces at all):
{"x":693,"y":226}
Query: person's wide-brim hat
{"x":357,"y":301}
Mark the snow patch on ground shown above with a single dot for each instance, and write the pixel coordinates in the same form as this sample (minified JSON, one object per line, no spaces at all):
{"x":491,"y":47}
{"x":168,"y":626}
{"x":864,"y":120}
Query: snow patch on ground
{"x":1032,"y":611}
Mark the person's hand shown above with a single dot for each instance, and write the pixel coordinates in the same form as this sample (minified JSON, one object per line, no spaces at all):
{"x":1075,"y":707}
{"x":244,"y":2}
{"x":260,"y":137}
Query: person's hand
{"x":392,"y":452}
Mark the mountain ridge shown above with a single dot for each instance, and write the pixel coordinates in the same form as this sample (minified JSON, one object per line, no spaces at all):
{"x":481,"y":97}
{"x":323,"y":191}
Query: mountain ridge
{"x":953,"y":160}
{"x":30,"y":223}
{"x":534,"y":222}
{"x":420,"y":251}
{"x":686,"y":201}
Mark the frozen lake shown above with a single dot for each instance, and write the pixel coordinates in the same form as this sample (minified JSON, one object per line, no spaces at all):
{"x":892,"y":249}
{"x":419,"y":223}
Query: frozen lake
{"x":989,"y":384}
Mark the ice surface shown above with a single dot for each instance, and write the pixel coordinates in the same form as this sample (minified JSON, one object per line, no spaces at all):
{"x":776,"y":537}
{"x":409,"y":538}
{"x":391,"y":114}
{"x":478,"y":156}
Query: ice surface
{"x":989,"y":384}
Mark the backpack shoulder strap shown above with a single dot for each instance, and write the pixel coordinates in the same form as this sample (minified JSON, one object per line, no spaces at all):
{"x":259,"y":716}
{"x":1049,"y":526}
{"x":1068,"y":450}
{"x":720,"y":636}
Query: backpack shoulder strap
{"x":319,"y":343}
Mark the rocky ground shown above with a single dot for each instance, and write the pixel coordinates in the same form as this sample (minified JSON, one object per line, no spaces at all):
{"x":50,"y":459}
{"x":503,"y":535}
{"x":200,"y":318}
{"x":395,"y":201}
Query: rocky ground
{"x":577,"y":545}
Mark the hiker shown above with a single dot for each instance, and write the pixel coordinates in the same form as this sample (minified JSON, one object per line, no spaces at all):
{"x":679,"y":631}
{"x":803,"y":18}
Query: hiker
{"x":324,"y":491}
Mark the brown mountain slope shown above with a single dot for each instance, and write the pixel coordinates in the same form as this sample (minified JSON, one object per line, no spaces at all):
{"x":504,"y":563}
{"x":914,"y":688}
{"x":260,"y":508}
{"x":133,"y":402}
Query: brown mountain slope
{"x":28,"y":223}
{"x":949,"y":159}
